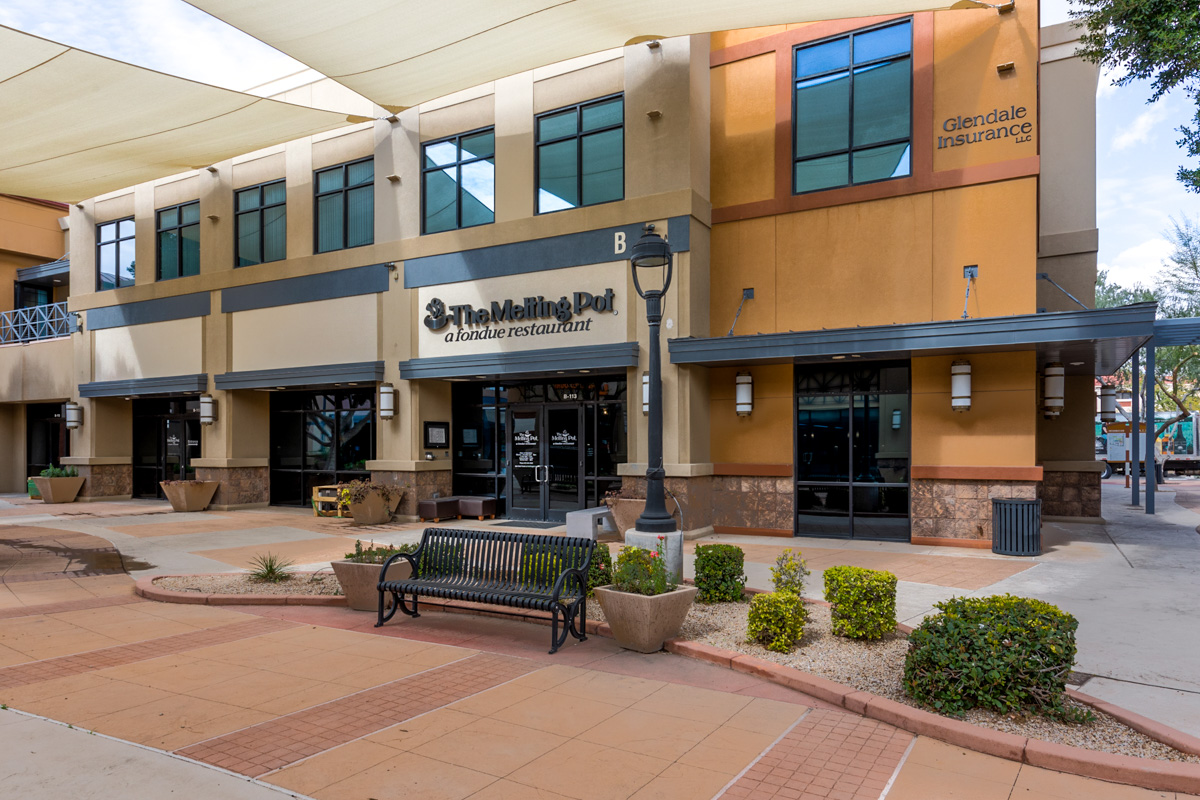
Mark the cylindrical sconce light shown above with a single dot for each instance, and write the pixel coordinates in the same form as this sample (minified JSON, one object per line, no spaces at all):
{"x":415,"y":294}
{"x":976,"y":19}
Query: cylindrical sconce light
{"x":744,"y":394}
{"x":1055,"y":387}
{"x":645,"y":392}
{"x":208,"y":409}
{"x":897,"y":419}
{"x":73,"y":414}
{"x":1108,"y":404}
{"x":960,"y":386}
{"x":387,"y":401}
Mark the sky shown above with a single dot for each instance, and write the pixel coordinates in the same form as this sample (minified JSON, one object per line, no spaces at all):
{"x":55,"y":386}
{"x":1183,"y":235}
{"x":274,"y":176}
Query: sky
{"x":1137,"y":193}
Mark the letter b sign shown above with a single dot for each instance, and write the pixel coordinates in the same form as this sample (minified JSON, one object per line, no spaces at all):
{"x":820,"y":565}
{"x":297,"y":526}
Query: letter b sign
{"x":618,"y":243}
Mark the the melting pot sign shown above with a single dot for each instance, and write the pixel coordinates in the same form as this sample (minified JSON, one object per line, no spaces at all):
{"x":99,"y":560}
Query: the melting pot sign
{"x":512,"y":318}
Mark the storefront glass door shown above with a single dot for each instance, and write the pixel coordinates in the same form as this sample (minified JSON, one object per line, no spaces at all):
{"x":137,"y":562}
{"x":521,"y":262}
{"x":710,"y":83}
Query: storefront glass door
{"x":166,"y":437}
{"x":547,"y":461}
{"x":852,"y":451}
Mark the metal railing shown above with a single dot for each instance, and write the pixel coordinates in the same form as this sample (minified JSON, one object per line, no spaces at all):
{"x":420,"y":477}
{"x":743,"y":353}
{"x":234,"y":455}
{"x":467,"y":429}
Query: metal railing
{"x":36,"y":323}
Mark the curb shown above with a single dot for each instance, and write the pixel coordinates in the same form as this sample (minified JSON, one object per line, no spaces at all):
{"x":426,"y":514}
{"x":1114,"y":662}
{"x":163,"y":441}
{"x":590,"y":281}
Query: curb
{"x":1147,"y":773}
{"x":144,"y":587}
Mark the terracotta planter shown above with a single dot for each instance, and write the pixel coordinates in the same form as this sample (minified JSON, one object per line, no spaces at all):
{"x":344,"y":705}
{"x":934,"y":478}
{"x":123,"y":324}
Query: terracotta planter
{"x":190,"y":495}
{"x":58,"y":490}
{"x":373,"y":510}
{"x":641,"y":622}
{"x":625,"y":511}
{"x":360,"y":582}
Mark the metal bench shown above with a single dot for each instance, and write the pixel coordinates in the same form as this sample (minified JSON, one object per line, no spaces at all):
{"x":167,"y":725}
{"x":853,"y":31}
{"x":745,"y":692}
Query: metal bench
{"x":518,"y":570}
{"x":590,"y":522}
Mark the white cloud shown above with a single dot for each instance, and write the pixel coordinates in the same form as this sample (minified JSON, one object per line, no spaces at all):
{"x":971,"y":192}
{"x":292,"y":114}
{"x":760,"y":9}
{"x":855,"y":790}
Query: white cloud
{"x":1107,"y":87}
{"x":1139,"y":131}
{"x":1141,"y":263}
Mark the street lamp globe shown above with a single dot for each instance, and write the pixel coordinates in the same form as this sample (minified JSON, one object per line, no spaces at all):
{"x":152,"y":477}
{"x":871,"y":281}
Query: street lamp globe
{"x":650,"y":260}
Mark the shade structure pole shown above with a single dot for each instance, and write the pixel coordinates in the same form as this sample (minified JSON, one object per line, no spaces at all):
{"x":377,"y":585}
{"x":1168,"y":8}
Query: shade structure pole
{"x":1135,"y":439}
{"x":1151,"y":465}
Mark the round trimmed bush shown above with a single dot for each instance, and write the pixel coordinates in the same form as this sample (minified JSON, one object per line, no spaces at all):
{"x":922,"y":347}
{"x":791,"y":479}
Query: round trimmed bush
{"x":720,"y":573}
{"x":863,"y":600}
{"x":1002,"y":653}
{"x":777,"y":620}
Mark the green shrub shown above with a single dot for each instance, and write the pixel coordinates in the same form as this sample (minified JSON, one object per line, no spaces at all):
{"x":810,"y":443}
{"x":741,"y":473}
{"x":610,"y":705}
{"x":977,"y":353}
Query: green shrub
{"x":600,"y":573}
{"x":1002,"y":653}
{"x":641,"y":571}
{"x":777,"y":620}
{"x":720,"y":573}
{"x":789,"y":572}
{"x":59,"y":472}
{"x":864,"y":601}
{"x":441,"y":558}
{"x":539,"y":568}
{"x":377,"y":555}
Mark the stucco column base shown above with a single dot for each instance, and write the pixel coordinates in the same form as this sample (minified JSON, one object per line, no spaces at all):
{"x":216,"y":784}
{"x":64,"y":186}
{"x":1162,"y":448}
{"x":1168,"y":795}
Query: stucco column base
{"x":419,"y":485}
{"x":105,"y":482}
{"x":671,"y":549}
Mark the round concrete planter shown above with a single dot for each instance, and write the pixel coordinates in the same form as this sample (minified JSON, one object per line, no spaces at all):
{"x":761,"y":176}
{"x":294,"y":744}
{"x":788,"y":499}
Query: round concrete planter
{"x":643,"y":622}
{"x":360,"y":582}
{"x":58,"y":490}
{"x":189,"y":495}
{"x":373,"y":510}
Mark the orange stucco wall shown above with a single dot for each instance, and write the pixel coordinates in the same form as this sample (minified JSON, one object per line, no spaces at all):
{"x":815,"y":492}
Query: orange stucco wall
{"x":29,"y":235}
{"x":765,"y":436}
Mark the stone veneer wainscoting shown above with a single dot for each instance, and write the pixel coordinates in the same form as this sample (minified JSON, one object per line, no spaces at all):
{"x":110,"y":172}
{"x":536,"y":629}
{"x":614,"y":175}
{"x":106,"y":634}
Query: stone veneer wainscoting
{"x":755,"y":505}
{"x":695,"y":496}
{"x":961,"y":509}
{"x":1071,"y":493}
{"x":241,"y":487}
{"x":105,"y":481}
{"x":417,"y":486}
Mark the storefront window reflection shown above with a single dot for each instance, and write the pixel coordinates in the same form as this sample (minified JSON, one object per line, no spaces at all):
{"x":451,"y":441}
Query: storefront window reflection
{"x":319,"y":438}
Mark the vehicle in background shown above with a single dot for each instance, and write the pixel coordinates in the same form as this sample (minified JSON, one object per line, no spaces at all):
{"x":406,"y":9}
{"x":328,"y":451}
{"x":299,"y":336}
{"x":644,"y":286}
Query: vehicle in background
{"x":1175,"y":449}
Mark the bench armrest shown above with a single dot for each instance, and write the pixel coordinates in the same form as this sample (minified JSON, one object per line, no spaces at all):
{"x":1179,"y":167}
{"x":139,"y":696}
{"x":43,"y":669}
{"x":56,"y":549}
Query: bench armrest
{"x":580,"y":572}
{"x":412,"y":559}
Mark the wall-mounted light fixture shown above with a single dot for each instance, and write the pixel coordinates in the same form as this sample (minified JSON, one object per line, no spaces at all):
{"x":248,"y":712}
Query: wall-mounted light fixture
{"x":1108,"y":404}
{"x":645,"y":392}
{"x":208,"y":409}
{"x":897,"y":419}
{"x":1054,"y":389}
{"x":960,"y":386}
{"x":1007,"y":66}
{"x":744,"y":393}
{"x":73,"y":414}
{"x":387,"y":401}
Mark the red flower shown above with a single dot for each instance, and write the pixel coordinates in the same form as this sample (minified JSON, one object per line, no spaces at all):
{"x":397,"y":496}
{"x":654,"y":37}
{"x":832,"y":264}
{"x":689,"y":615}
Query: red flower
{"x":654,"y":554}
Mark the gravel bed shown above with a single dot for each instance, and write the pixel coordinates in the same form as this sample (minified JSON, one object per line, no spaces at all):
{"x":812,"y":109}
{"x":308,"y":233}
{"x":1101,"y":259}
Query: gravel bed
{"x":320,"y":583}
{"x":878,"y":667}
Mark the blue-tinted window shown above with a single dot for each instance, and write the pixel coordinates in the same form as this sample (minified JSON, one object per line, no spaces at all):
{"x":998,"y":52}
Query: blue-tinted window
{"x":459,"y":182}
{"x":179,"y":241}
{"x":114,"y":254}
{"x":260,"y":223}
{"x":853,"y":109}
{"x":344,"y":213}
{"x":581,"y":155}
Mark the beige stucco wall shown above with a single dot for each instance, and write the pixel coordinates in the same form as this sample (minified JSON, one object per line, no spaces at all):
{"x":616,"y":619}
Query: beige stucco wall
{"x":36,"y":372}
{"x":305,"y":334}
{"x":153,"y":350}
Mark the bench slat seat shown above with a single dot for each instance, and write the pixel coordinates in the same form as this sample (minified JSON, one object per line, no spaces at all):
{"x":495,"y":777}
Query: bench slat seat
{"x":516,"y":570}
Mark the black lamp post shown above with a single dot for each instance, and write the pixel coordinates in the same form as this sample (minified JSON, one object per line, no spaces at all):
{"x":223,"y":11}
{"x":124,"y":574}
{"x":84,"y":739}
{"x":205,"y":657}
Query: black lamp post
{"x":652,"y":257}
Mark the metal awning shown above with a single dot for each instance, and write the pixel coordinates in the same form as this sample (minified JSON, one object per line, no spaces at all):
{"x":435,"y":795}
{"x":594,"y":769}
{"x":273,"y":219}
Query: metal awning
{"x":524,"y":363}
{"x":1090,"y":342}
{"x":1177,"y":332}
{"x":56,"y":273}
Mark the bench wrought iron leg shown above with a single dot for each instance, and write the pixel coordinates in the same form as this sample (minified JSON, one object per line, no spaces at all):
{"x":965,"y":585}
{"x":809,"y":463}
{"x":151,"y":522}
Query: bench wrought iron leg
{"x":554,"y":630}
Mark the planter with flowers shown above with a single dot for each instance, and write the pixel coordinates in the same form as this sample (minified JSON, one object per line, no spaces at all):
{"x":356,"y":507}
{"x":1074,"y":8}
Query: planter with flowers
{"x":189,"y":495}
{"x":370,"y":503}
{"x":358,"y":574}
{"x":643,"y":605}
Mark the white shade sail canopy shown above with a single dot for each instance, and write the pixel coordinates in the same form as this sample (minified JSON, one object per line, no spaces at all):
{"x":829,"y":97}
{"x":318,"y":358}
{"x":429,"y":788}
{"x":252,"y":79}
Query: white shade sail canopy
{"x":400,"y":53}
{"x":76,"y":125}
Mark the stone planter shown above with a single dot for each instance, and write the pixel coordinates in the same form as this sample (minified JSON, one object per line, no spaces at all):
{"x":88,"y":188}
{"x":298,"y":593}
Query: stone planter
{"x":373,"y":510}
{"x":360,"y":582}
{"x":641,"y":622}
{"x":189,"y":495}
{"x":58,"y":490}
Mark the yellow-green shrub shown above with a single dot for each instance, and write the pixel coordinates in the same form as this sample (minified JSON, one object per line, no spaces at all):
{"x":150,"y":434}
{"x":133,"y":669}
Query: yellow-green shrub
{"x":776,"y":620}
{"x":864,"y":601}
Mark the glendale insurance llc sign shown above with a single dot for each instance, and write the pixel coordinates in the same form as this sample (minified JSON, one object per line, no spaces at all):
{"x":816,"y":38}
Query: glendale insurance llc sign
{"x":557,"y":308}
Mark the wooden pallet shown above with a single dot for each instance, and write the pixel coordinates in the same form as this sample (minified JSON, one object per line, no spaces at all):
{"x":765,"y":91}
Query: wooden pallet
{"x":324,"y":496}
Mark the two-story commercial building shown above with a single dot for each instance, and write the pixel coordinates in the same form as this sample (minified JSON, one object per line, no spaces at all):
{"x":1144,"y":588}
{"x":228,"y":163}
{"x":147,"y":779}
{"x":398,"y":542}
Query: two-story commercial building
{"x":441,"y":298}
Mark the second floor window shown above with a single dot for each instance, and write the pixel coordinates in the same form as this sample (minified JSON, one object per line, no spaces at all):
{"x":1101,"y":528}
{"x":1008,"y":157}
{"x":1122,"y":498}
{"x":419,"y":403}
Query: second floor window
{"x":179,"y":241}
{"x":458,"y":182}
{"x":853,"y":109}
{"x":260,"y":226}
{"x":114,"y":254}
{"x":581,"y":155}
{"x":345,"y":207}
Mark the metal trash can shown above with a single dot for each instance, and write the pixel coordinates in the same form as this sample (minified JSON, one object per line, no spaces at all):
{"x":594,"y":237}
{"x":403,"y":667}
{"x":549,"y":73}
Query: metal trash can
{"x":1017,"y":527}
